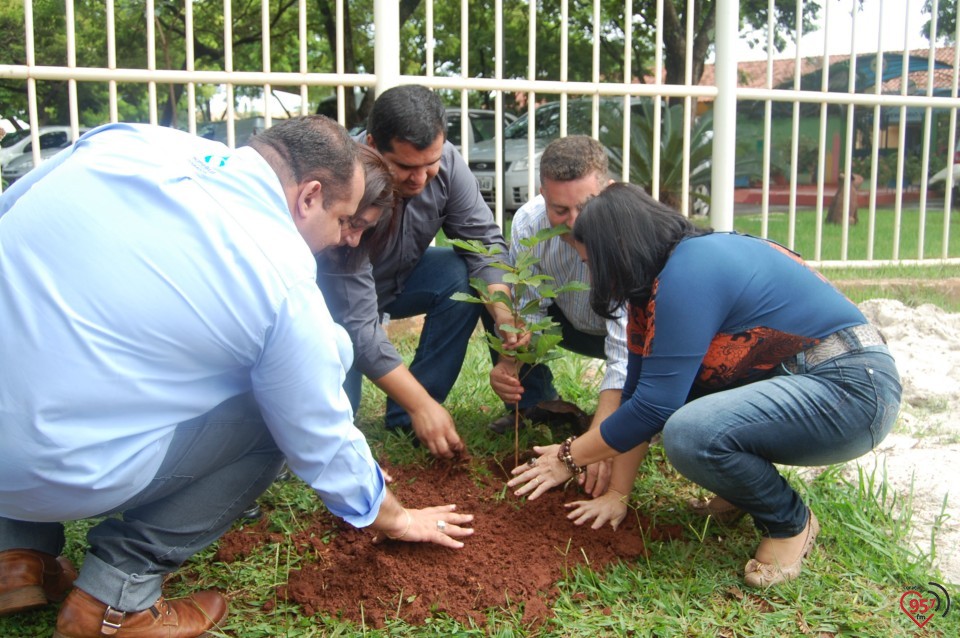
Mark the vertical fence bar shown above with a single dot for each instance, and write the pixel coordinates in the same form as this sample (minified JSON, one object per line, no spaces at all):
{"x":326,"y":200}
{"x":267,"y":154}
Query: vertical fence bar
{"x":265,"y":58}
{"x":848,"y":193}
{"x":688,"y":114}
{"x":31,"y":82}
{"x":228,"y":67}
{"x":822,"y":149}
{"x":927,"y":119}
{"x":875,"y":147}
{"x":151,"y":59}
{"x":112,"y":58}
{"x":465,"y":73}
{"x":190,"y":64}
{"x":595,"y":115}
{"x":531,"y":97}
{"x":658,"y":100}
{"x":627,"y":80}
{"x":72,"y":63}
{"x":386,"y":61}
{"x":951,"y":147}
{"x":564,"y":57}
{"x":795,"y":132}
{"x":302,"y":52}
{"x":498,"y":72}
{"x":430,"y":44}
{"x":725,"y":118}
{"x":767,"y":118}
{"x":338,"y":56}
{"x":901,"y":140}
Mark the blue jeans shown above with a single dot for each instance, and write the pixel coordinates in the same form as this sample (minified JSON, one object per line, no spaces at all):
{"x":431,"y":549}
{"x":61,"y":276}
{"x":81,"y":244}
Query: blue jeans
{"x":447,"y":327}
{"x":216,"y":466}
{"x":729,"y":441}
{"x":537,"y":380}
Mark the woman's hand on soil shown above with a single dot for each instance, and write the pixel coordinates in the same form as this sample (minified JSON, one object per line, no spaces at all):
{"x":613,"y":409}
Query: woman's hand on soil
{"x":596,"y":478}
{"x":609,"y":508}
{"x":540,"y":473}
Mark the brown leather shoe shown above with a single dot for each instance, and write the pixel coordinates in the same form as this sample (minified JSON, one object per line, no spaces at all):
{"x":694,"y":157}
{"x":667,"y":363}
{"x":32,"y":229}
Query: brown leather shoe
{"x":83,"y":616}
{"x":30,"y":579}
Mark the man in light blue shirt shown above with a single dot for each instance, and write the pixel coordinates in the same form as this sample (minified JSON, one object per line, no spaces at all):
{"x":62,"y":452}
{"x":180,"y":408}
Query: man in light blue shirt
{"x":164,"y":347}
{"x":572,"y":170}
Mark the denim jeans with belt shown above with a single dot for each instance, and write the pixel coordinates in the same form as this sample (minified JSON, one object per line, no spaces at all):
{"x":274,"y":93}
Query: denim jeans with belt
{"x":447,"y":327}
{"x":729,"y":441}
{"x":216,"y":466}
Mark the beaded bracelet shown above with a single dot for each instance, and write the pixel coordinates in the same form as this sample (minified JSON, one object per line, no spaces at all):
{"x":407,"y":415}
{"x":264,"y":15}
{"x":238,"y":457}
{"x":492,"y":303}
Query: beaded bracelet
{"x":409,"y":522}
{"x":567,"y":459}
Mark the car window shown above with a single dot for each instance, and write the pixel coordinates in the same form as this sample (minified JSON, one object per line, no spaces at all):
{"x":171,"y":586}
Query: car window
{"x":483,"y":127}
{"x":453,"y":129}
{"x":579,"y":120}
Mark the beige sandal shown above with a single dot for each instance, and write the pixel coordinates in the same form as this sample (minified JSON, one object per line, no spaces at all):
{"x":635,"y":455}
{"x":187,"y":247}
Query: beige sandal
{"x":757,"y":574}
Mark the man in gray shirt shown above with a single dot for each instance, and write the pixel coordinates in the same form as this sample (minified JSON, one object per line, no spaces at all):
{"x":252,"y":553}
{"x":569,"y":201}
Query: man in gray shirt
{"x":410,"y":277}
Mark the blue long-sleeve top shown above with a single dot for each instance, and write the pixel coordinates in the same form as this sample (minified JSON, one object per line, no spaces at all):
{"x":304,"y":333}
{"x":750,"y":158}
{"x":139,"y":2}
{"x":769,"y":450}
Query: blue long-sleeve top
{"x":725,"y":309}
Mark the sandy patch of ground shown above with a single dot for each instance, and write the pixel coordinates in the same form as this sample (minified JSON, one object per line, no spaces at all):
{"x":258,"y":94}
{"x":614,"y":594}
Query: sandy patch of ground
{"x":923,"y":452}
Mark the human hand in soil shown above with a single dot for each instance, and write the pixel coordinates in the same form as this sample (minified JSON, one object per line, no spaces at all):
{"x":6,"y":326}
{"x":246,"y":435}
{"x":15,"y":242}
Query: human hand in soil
{"x":504,"y":381}
{"x":540,"y":473}
{"x":596,"y":478}
{"x":439,"y":524}
{"x":609,"y":508}
{"x":434,"y":426}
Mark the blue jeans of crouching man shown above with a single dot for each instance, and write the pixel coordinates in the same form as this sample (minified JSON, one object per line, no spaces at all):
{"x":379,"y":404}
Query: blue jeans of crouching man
{"x":216,"y":466}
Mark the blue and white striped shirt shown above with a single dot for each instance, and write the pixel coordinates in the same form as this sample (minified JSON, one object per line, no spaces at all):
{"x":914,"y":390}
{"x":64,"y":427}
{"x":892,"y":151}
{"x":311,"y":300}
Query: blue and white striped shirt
{"x":560,"y":261}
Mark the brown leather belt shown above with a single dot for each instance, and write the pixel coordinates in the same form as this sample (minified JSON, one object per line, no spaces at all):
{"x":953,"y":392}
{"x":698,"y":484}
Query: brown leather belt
{"x":840,"y":342}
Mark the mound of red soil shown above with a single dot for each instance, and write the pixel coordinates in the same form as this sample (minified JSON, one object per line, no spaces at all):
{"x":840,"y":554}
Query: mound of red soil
{"x":518,"y":553}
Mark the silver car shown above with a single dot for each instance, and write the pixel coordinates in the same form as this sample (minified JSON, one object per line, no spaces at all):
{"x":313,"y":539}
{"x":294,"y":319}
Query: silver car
{"x":517,"y":163}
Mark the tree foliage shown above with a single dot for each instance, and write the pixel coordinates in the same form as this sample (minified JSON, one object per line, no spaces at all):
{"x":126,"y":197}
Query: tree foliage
{"x":169,"y":21}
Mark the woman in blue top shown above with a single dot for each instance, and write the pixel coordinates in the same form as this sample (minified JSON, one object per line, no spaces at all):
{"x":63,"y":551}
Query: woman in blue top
{"x":741,"y":355}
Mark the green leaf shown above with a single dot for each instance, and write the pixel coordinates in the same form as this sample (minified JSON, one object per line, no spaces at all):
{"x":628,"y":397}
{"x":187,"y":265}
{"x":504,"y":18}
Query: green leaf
{"x":572,"y":286}
{"x":465,"y":296}
{"x":506,"y":327}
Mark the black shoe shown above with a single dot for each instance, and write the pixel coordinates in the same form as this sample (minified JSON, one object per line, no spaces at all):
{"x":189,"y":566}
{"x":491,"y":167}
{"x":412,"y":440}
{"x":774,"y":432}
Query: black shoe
{"x":534,"y":414}
{"x":252,"y":513}
{"x":553,"y":413}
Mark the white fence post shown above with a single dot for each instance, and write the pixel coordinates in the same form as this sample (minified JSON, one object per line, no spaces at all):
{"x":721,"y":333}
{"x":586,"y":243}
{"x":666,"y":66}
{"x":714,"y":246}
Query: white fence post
{"x":725,"y":116}
{"x":386,"y":62}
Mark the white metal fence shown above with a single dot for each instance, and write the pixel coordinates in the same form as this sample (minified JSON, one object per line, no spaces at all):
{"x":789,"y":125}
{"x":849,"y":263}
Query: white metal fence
{"x":924,"y":105}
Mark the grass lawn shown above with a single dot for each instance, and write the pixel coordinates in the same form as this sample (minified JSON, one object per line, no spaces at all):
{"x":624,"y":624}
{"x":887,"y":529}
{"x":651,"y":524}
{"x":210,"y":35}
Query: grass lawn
{"x":851,"y":586}
{"x":858,"y":238}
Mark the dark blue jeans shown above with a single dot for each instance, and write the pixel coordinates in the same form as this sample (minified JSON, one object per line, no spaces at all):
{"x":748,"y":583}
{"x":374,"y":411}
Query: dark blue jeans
{"x":447,"y":327}
{"x":729,"y":441}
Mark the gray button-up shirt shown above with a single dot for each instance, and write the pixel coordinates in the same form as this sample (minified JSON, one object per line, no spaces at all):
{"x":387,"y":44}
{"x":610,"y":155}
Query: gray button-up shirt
{"x":450,"y":201}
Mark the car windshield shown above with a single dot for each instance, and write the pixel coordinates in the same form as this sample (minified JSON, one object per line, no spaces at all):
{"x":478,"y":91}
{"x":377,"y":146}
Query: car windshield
{"x":12,"y":137}
{"x":579,"y":120}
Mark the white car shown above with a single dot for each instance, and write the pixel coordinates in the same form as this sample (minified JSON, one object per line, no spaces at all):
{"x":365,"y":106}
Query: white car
{"x":52,"y":141}
{"x":50,"y":137}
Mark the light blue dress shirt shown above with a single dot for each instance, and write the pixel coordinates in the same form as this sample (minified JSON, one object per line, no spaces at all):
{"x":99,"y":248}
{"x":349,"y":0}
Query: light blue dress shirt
{"x":559,"y":260}
{"x":147,"y":275}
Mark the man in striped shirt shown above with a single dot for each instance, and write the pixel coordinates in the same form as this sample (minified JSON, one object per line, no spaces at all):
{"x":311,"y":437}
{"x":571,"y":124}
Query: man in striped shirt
{"x":572,"y":170}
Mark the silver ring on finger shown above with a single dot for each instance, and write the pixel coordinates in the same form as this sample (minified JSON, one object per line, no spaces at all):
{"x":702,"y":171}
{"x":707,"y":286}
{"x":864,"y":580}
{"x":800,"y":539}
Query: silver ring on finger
{"x":441,"y":525}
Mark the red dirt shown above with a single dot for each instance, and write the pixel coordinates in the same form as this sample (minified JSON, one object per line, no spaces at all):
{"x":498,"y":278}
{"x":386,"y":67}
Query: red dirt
{"x":518,"y":553}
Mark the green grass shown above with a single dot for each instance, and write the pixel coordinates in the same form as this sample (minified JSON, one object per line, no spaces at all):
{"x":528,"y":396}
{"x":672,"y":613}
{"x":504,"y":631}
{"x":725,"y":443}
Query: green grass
{"x":852,"y":584}
{"x":805,"y":232}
